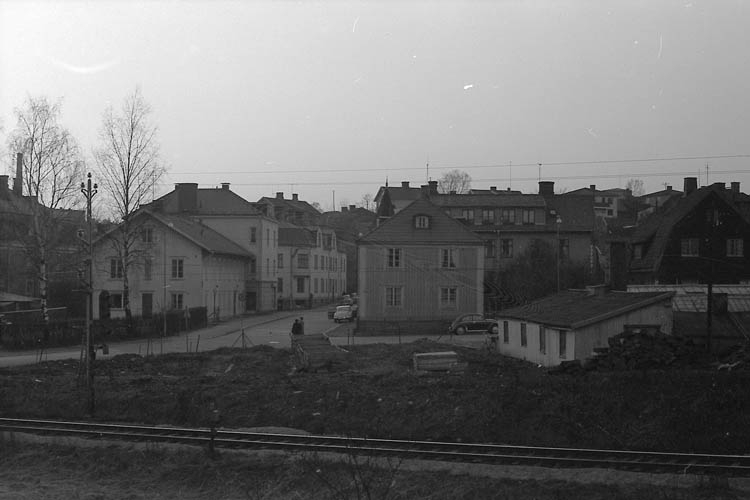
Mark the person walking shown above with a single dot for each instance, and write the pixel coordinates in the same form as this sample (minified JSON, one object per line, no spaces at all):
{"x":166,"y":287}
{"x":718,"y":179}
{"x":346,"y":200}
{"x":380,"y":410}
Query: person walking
{"x":296,"y":330}
{"x":301,"y":325}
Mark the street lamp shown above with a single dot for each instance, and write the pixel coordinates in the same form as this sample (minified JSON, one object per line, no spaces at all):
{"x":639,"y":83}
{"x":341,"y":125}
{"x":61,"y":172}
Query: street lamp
{"x":558,"y":221}
{"x":89,"y":191}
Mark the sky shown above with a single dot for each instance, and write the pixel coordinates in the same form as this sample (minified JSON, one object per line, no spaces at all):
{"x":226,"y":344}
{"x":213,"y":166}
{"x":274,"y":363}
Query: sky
{"x":330,"y":99}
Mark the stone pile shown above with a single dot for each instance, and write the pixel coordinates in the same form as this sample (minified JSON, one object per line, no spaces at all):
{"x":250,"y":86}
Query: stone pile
{"x":644,"y":349}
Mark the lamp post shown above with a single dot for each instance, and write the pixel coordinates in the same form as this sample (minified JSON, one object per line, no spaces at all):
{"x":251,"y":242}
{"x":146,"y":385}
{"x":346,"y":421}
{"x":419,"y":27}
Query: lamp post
{"x":89,"y":192}
{"x":558,"y":221}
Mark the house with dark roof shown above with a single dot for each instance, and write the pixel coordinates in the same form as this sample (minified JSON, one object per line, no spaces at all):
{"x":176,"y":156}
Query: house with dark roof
{"x":571,"y":324}
{"x":699,"y":237}
{"x":608,"y":203}
{"x":650,"y":202}
{"x":197,"y":247}
{"x":312,"y":269}
{"x":294,"y":210}
{"x":418,"y":270}
{"x":399,"y":196}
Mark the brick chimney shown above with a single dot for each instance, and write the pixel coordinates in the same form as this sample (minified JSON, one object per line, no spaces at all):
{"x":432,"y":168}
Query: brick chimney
{"x":344,"y":209}
{"x":735,"y":187}
{"x":187,"y":196}
{"x":225,"y":185}
{"x":404,"y":184}
{"x":352,"y":207}
{"x":433,"y":187}
{"x":493,"y":189}
{"x":592,"y":187}
{"x":18,"y":182}
{"x":546,"y":188}
{"x":279,"y":195}
{"x":294,"y":197}
{"x":691,"y":184}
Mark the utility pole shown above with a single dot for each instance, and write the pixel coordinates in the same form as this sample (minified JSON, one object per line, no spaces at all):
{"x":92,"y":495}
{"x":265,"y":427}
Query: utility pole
{"x":89,"y":192}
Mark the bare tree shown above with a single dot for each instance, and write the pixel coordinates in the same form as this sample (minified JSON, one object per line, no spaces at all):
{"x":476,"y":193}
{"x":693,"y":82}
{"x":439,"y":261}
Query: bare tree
{"x":366,"y":201}
{"x":636,"y":187}
{"x":128,"y":166}
{"x":51,"y":167}
{"x":455,"y":180}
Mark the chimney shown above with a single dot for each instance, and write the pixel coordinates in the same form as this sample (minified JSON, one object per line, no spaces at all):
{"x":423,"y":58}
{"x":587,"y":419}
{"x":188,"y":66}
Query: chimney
{"x":424,"y":191}
{"x":736,"y":187}
{"x":344,"y":209}
{"x":404,"y":184}
{"x":225,"y":185}
{"x":691,"y":184}
{"x":187,"y":196}
{"x":294,"y":197}
{"x":592,"y":187}
{"x":3,"y":186}
{"x":18,"y":183}
{"x":546,"y":188}
{"x":669,"y":188}
{"x":433,"y":187}
{"x":493,"y":188}
{"x":352,"y":207}
{"x":279,"y":195}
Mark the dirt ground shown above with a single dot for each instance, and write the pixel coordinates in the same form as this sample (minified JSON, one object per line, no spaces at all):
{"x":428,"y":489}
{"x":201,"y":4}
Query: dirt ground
{"x":373,"y":391}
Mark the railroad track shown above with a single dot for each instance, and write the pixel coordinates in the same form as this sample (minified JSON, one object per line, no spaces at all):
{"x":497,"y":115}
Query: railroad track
{"x":652,"y":462}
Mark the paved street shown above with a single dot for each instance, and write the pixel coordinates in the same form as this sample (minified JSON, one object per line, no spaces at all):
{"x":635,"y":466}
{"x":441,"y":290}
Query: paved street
{"x":268,"y":329}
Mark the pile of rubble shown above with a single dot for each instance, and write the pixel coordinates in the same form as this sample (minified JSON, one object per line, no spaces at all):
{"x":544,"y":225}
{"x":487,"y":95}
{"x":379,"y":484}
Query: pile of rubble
{"x":640,"y":349}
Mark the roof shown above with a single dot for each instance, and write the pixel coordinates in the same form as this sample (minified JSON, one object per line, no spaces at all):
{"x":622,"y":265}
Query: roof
{"x":663,"y":192}
{"x":658,"y":226}
{"x":210,"y":201}
{"x":201,"y":235}
{"x":296,"y":236}
{"x":398,"y":193}
{"x":292,"y":205}
{"x":578,"y":308}
{"x":400,"y":229}
{"x":488,"y":200}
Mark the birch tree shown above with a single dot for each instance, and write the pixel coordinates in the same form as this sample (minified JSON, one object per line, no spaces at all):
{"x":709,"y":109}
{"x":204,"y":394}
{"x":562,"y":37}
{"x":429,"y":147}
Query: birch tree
{"x":52,"y":166}
{"x":129,"y":166}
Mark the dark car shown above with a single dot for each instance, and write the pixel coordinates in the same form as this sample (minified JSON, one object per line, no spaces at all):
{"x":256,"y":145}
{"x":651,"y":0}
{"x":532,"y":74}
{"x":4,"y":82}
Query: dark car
{"x":470,"y":323}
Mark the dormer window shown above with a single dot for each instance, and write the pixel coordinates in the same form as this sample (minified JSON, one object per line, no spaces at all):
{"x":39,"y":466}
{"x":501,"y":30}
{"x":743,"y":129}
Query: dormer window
{"x":421,"y":222}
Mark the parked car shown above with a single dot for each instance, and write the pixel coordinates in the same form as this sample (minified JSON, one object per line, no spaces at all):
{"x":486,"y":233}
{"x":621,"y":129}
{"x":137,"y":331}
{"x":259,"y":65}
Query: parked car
{"x":343,"y":313}
{"x":470,"y":323}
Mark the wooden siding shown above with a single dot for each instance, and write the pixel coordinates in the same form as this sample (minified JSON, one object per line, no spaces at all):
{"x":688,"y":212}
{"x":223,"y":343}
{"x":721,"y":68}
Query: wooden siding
{"x":421,"y":277}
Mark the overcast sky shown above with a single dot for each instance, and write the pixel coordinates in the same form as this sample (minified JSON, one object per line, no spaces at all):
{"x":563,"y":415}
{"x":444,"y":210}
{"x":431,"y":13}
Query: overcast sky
{"x":323,"y":97}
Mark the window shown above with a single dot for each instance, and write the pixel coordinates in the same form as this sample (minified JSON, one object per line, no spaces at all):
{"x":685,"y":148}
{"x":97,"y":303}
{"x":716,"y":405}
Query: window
{"x":147,"y":268}
{"x":178,"y":268}
{"x":315,"y":262}
{"x":303,"y":261}
{"x":147,"y":235}
{"x":564,"y":244}
{"x":280,"y":258}
{"x":301,"y":284}
{"x":421,"y":222}
{"x":638,"y":252}
{"x":253,"y":234}
{"x":542,"y":340}
{"x":488,"y":216}
{"x":280,"y":285}
{"x":467,"y":215}
{"x":315,"y":285}
{"x":253,"y":268}
{"x":609,"y":212}
{"x":506,"y":249}
{"x":489,"y":248}
{"x":115,"y":300}
{"x":735,"y":247}
{"x":523,"y":334}
{"x":508,"y":215}
{"x":528,"y":216}
{"x":689,"y":247}
{"x":268,"y":266}
{"x":394,"y":257}
{"x":393,"y":296}
{"x":268,"y":236}
{"x":177,"y":301}
{"x":563,"y":342}
{"x":506,"y":333}
{"x":448,"y":257}
{"x":448,"y":296}
{"x":115,"y":268}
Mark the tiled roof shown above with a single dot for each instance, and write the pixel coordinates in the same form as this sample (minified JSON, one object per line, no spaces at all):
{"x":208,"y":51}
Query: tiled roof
{"x":400,"y":228}
{"x":576,"y":212}
{"x":210,"y":201}
{"x":579,"y":308}
{"x":293,"y":205}
{"x":663,"y":192}
{"x":295,"y":236}
{"x":201,"y":235}
{"x":398,"y":193}
{"x":488,"y":200}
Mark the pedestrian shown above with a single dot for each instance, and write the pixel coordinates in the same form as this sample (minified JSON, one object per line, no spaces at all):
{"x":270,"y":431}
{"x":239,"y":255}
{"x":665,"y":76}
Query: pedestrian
{"x":301,"y":325}
{"x":296,"y":327}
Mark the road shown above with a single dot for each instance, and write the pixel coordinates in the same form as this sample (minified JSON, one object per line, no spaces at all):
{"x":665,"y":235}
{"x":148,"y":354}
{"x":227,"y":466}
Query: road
{"x":270,"y":329}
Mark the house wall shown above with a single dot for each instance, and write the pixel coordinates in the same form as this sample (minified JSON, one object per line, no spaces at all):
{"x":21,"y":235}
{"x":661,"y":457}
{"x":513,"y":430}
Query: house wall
{"x":324,"y":277}
{"x":420,"y":277}
{"x":579,"y":246}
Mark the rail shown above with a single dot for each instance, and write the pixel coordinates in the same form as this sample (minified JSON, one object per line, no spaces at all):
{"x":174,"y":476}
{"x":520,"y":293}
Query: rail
{"x":637,"y":461}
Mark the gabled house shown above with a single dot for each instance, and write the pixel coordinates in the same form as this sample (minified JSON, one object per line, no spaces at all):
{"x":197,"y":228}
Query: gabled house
{"x":398,"y":196}
{"x":177,"y":263}
{"x":650,"y":202}
{"x":419,"y":269}
{"x":294,"y":211}
{"x":700,"y":237}
{"x":608,"y":203}
{"x":571,"y":324}
{"x":311,"y":268}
